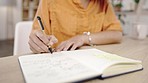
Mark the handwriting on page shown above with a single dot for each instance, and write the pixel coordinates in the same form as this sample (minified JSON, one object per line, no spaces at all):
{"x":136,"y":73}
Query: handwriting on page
{"x":53,"y":67}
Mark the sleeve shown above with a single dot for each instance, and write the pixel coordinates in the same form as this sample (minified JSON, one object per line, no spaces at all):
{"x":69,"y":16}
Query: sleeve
{"x":44,"y":13}
{"x":111,"y":22}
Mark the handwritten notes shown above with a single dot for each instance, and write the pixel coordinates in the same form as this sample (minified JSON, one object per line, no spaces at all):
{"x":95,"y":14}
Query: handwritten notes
{"x":51,"y":68}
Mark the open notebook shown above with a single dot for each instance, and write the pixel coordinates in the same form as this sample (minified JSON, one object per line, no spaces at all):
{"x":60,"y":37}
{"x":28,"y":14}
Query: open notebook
{"x":74,"y":66}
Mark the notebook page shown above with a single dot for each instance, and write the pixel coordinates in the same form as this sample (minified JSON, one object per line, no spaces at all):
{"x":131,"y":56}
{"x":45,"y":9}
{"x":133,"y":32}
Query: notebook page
{"x":98,"y":60}
{"x":55,"y":68}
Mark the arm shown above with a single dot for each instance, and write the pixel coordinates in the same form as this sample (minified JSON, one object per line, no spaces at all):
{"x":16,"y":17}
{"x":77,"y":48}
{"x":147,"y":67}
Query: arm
{"x":111,"y":33}
{"x":38,"y":41}
{"x":105,"y":37}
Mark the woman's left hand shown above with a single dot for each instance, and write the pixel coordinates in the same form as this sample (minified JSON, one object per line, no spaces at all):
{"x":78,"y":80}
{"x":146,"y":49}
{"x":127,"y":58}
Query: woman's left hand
{"x":72,"y":43}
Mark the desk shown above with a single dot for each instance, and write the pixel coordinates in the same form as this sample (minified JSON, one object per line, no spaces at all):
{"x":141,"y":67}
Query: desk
{"x":10,"y":71}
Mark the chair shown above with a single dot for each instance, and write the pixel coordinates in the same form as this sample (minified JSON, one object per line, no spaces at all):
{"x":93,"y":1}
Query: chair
{"x":21,"y":38}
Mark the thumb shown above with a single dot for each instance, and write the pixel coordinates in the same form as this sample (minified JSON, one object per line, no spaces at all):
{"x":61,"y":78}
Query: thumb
{"x":52,"y":39}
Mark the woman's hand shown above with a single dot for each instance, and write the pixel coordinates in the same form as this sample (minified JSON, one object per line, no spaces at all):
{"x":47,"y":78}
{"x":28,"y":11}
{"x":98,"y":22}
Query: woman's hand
{"x":39,"y":42}
{"x":72,"y":43}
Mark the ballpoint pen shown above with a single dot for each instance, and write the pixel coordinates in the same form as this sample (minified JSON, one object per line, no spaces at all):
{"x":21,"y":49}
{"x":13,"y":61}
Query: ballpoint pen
{"x":42,"y":27}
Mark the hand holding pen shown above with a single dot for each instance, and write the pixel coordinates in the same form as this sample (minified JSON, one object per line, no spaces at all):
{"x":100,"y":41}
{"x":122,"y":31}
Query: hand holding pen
{"x":40,"y":42}
{"x":42,"y":27}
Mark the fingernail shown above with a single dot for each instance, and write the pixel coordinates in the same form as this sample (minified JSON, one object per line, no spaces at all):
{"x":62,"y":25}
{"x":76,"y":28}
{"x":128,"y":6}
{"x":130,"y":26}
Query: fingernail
{"x":49,"y":44}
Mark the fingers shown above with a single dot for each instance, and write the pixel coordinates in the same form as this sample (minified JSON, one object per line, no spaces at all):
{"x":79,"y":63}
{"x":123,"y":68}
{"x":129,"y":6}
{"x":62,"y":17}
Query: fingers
{"x":68,"y":46}
{"x":65,"y":46}
{"x":75,"y":46}
{"x":52,"y":39}
{"x":37,"y":42}
{"x":71,"y":44}
{"x":33,"y":50}
{"x":37,"y":46}
{"x":42,"y":37}
{"x":60,"y":47}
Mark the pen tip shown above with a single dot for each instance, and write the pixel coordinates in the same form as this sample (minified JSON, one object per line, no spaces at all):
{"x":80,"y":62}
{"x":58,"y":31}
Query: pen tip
{"x":50,"y":49}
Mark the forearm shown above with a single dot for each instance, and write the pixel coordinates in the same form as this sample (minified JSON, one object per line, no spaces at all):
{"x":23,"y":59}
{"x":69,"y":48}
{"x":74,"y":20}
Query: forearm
{"x":104,"y":37}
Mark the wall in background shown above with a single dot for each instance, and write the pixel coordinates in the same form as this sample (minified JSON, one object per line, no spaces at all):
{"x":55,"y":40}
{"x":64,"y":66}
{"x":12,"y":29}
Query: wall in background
{"x":3,"y":25}
{"x":128,"y":5}
{"x":9,"y":16}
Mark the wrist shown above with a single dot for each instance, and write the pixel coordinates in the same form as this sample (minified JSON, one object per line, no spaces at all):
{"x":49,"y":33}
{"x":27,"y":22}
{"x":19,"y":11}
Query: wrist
{"x":88,"y":38}
{"x":84,"y":39}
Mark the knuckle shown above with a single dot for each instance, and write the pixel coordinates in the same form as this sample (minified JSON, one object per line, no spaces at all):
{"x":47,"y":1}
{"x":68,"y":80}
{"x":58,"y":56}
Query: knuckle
{"x":41,"y":36}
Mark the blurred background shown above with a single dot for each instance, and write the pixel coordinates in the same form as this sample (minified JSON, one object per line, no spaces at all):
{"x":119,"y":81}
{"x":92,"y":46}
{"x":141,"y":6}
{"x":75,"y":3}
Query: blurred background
{"x":14,"y":11}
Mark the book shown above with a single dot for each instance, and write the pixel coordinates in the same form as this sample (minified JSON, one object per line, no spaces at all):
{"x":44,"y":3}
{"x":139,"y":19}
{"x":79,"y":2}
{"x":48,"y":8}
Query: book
{"x":75,"y":66}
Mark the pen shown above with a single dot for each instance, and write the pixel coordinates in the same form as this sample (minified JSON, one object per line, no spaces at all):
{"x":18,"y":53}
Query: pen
{"x":42,"y":27}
